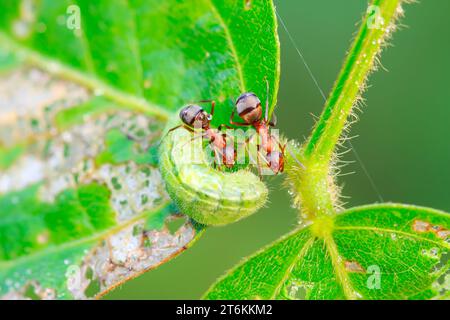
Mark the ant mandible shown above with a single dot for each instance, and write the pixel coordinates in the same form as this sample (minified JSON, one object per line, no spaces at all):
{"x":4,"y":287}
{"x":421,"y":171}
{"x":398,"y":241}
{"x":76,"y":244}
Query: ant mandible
{"x":193,"y":114}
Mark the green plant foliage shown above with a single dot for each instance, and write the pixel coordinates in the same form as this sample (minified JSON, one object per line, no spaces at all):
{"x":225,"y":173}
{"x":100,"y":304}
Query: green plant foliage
{"x":51,"y":242}
{"x":93,"y":107}
{"x":67,"y":214}
{"x":82,"y":204}
{"x":374,"y":252}
{"x":9,"y":155}
{"x":8,"y":61}
{"x":120,"y":148}
{"x":385,"y":251}
{"x":153,"y":55}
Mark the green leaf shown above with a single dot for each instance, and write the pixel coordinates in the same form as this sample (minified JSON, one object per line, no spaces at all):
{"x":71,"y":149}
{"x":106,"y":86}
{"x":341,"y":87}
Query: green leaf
{"x":120,"y":148}
{"x":71,"y":227}
{"x":66,"y":245}
{"x":75,"y":115}
{"x":150,"y":55}
{"x":8,"y":61}
{"x":386,"y":251}
{"x":9,"y":155}
{"x":82,"y":204}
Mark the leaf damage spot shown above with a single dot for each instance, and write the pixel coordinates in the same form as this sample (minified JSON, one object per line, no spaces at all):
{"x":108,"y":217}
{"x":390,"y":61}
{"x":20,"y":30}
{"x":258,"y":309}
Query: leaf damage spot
{"x":442,"y":286}
{"x":32,"y":290}
{"x":24,"y":116}
{"x":442,"y":283}
{"x":431,"y":253}
{"x":298,"y":290}
{"x":423,"y":226}
{"x":443,"y":234}
{"x":43,"y":238}
{"x":64,"y":160}
{"x":141,"y":188}
{"x":354,"y":266}
{"x":58,"y":160}
{"x":26,"y":171}
{"x":129,"y":253}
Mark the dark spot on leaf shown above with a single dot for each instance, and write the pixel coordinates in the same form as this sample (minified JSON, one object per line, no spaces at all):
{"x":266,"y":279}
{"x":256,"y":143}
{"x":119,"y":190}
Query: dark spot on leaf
{"x":421,"y":226}
{"x":353,"y":266}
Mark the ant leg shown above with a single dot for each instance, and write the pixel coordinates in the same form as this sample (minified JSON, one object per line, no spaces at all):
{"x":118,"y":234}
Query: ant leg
{"x":223,"y":125}
{"x":213,"y":105}
{"x":258,"y":164}
{"x":267,"y":163}
{"x":259,"y":155}
{"x":247,"y":150}
{"x":240,"y":124}
{"x":217,"y":161}
{"x":203,"y":135}
{"x":229,"y":151}
{"x":285,"y":147}
{"x":170,"y":130}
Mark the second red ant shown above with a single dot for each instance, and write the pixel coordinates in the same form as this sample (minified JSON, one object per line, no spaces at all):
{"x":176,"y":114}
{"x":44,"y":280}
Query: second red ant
{"x":249,"y":109}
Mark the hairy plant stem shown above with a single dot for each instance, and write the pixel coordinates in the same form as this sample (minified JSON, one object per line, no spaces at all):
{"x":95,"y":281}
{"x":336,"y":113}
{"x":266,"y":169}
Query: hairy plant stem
{"x":313,"y":188}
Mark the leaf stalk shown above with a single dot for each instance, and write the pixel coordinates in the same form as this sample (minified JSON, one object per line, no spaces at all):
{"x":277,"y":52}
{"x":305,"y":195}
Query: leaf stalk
{"x":314,"y":189}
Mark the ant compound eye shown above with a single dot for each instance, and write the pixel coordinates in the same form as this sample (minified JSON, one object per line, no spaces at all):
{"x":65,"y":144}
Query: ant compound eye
{"x":247,"y":102}
{"x":188,"y":113}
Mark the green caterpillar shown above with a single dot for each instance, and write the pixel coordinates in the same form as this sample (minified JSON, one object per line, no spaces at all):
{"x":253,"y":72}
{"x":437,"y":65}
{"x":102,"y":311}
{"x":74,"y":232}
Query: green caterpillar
{"x":207,"y":195}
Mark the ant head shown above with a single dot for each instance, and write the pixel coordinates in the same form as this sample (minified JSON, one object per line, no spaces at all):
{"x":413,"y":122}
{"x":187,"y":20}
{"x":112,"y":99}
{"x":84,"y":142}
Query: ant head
{"x":194,"y":116}
{"x":249,"y":107}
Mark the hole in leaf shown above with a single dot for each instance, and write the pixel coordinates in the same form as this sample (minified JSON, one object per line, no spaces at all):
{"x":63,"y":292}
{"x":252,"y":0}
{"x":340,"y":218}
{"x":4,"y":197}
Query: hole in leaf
{"x":30,"y":292}
{"x":173,"y":225}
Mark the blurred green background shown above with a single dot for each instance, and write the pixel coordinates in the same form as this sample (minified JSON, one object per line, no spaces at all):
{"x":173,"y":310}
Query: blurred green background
{"x":403,"y":133}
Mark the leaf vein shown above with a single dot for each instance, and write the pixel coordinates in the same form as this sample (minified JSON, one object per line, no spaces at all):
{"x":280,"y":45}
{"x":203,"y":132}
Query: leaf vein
{"x":384,"y":230}
{"x":231,"y":44}
{"x":294,"y":262}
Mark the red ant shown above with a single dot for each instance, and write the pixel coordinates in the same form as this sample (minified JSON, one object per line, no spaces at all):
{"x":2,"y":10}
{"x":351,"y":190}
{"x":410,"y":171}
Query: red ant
{"x":249,"y":109}
{"x":193,"y":115}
